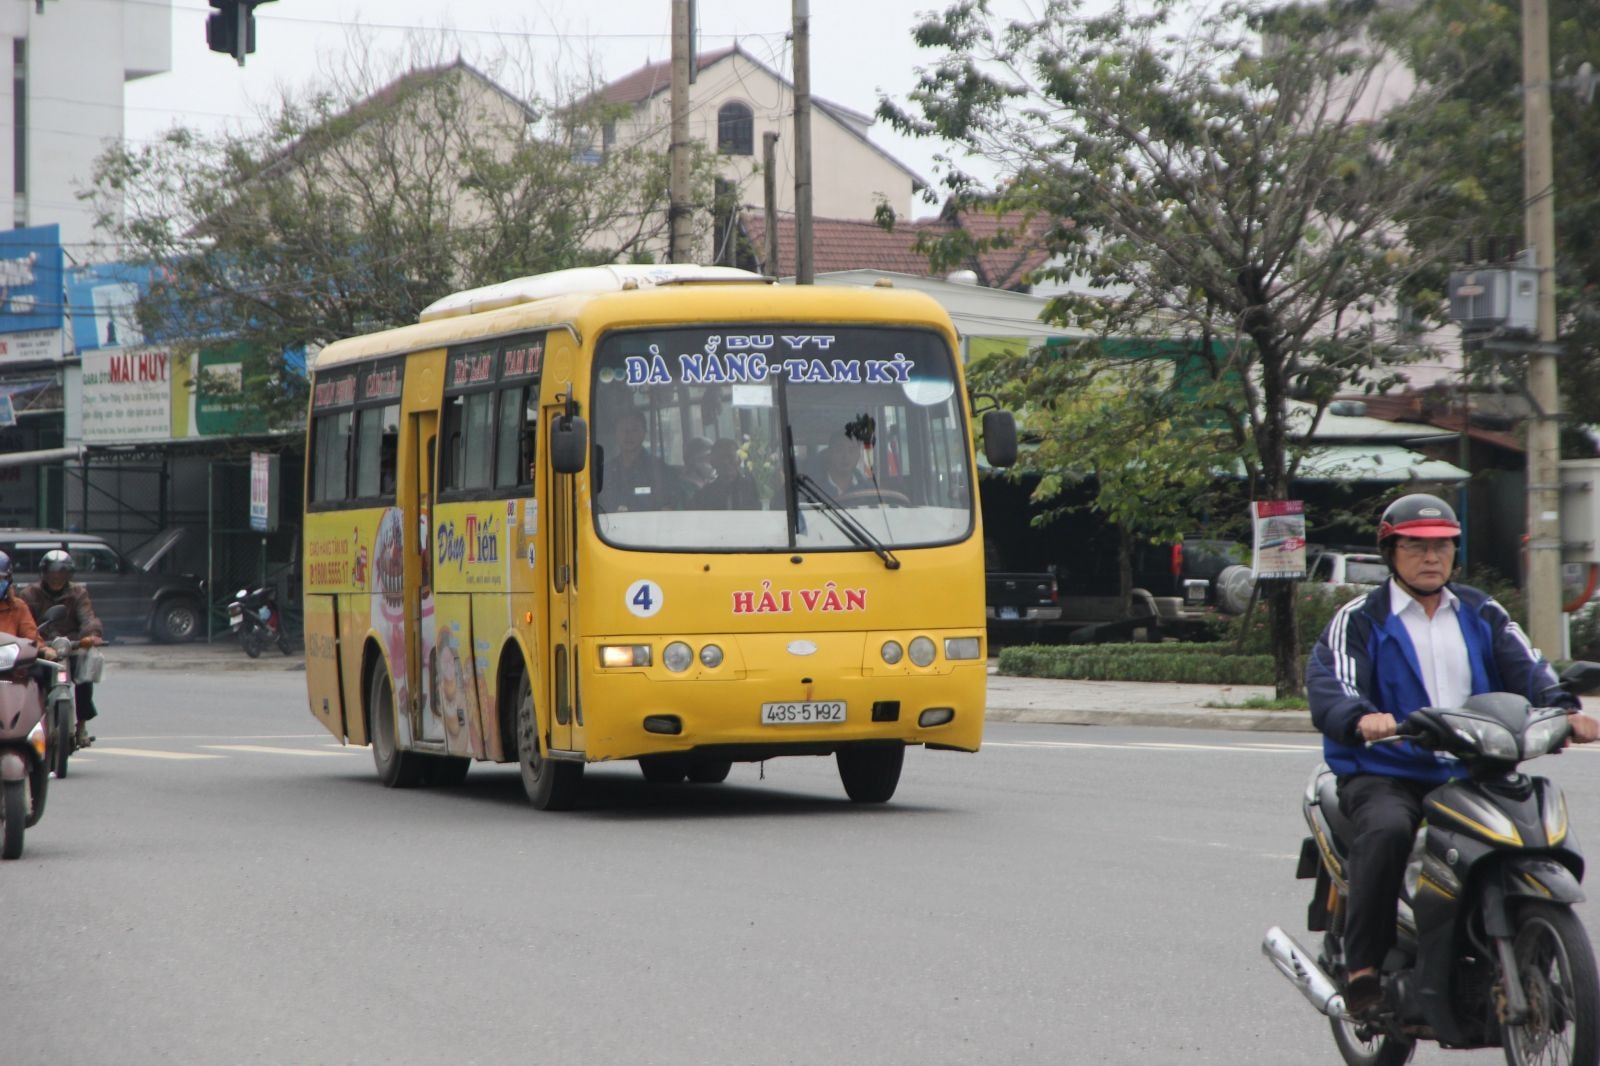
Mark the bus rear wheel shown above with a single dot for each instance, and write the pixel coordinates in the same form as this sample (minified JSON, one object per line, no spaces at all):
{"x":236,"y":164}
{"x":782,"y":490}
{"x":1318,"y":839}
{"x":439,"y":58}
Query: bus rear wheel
{"x":551,"y":784}
{"x":663,"y":769}
{"x":709,"y":771}
{"x":871,"y":772}
{"x":396,"y":768}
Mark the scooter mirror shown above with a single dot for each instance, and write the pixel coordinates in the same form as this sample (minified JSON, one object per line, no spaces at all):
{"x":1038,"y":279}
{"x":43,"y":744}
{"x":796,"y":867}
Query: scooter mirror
{"x":1581,"y":677}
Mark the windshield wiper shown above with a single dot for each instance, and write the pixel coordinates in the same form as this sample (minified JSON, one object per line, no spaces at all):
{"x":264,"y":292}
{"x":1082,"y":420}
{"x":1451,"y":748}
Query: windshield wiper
{"x":841,"y":518}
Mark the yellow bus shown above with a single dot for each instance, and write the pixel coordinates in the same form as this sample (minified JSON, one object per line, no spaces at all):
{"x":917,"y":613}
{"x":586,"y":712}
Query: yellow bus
{"x":675,"y":514}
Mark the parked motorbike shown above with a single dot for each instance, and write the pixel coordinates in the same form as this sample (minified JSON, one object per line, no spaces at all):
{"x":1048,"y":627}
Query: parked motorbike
{"x":1489,"y":952}
{"x":24,"y":745}
{"x":253,"y":616}
{"x":73,"y":664}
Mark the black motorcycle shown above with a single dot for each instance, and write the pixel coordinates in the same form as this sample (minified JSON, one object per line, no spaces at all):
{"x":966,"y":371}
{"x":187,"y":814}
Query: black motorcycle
{"x":253,"y":616}
{"x":1489,"y":951}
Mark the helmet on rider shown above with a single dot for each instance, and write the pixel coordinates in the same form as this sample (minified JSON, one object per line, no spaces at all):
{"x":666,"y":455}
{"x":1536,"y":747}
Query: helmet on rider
{"x":5,"y":575}
{"x":1418,"y":515}
{"x":56,"y":569}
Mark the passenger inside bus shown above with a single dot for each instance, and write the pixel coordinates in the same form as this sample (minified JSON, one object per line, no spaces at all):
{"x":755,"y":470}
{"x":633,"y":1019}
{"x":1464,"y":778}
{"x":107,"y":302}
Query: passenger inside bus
{"x":632,"y":479}
{"x":732,"y":488}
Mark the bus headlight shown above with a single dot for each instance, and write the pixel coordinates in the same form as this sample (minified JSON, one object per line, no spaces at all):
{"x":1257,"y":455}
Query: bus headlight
{"x":677,"y":656}
{"x":892,"y":651}
{"x":960,"y":647}
{"x":711,"y":656}
{"x":624,"y":655}
{"x":922,"y":651}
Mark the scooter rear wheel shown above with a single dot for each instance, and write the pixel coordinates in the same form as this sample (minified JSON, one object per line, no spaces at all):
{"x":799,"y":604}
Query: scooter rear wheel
{"x":13,"y":818}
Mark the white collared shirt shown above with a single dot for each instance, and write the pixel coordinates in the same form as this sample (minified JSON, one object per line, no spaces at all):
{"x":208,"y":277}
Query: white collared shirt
{"x":1441,"y":649}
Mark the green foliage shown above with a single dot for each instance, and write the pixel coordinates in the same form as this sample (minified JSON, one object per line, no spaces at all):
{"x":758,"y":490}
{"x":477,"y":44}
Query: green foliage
{"x":1184,"y":663}
{"x":1315,"y":605}
{"x":1470,"y":133}
{"x":1585,"y":634}
{"x":1218,"y":182}
{"x":353,"y":209}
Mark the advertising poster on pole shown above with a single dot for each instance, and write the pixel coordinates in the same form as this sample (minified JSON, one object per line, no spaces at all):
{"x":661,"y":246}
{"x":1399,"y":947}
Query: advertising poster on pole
{"x":1280,"y":539}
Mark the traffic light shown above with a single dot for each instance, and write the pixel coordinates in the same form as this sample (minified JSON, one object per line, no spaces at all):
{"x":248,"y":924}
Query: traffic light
{"x":231,"y":29}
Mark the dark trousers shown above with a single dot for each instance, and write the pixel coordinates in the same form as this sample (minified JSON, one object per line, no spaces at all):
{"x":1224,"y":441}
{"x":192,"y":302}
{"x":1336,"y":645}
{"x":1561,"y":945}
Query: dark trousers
{"x":1385,"y":812}
{"x":83,"y":696}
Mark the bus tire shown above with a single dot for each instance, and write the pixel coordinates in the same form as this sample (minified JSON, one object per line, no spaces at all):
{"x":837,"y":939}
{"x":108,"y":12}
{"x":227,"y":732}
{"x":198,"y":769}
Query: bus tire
{"x":871,"y":772}
{"x":551,"y":784}
{"x":663,"y":769}
{"x":396,"y":768}
{"x":445,"y":771}
{"x":709,"y":771}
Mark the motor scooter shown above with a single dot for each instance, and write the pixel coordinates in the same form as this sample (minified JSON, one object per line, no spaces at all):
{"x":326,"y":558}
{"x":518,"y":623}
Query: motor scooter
{"x":253,"y":616}
{"x":24,"y":745}
{"x":1489,"y":951}
{"x":73,"y":663}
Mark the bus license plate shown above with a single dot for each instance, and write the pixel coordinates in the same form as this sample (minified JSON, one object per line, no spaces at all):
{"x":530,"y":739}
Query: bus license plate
{"x":805,"y":712}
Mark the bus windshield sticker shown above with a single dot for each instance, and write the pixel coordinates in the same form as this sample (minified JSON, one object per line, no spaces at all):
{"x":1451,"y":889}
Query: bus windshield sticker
{"x":752,"y":396}
{"x":806,"y":359}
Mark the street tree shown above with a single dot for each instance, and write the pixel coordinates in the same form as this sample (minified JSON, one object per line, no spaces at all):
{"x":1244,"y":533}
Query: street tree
{"x":1144,"y":451}
{"x":1471,"y":135}
{"x":352,"y":208}
{"x":1216,"y":179}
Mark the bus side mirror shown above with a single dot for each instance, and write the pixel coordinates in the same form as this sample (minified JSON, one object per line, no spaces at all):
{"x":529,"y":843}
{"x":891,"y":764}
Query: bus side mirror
{"x":569,"y":444}
{"x":999,"y":438}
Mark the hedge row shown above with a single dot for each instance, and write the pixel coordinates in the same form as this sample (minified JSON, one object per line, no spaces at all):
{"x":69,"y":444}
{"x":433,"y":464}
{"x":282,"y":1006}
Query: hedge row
{"x":1182,"y":663}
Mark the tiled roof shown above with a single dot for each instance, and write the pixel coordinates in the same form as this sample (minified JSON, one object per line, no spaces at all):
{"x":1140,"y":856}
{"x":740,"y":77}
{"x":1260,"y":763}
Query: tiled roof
{"x":848,"y":244}
{"x":642,"y":84}
{"x":1432,"y":407}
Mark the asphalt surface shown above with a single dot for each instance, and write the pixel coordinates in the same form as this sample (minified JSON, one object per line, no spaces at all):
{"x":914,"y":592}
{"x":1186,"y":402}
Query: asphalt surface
{"x":1011,"y":699}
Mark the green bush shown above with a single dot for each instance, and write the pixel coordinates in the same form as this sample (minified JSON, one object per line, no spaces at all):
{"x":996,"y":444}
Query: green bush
{"x":1586,"y":634}
{"x":1183,"y":663}
{"x":1315,"y":606}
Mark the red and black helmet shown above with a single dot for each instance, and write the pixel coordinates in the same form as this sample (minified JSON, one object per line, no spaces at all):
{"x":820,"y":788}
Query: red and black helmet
{"x":1418,"y":515}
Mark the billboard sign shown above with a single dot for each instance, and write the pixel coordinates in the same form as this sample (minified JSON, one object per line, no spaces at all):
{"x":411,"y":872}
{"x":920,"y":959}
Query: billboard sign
{"x":1280,"y":539}
{"x":32,"y":288}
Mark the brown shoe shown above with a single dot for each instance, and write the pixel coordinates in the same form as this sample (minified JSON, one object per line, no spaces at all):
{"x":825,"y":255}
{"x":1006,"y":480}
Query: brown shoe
{"x":82,"y":739}
{"x":1363,"y":994}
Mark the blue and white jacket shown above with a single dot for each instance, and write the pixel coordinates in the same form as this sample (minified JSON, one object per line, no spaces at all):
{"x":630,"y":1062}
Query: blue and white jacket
{"x":1365,"y":663}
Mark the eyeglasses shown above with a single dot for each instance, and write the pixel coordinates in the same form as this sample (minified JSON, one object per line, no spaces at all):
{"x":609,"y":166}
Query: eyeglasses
{"x":1418,"y":548}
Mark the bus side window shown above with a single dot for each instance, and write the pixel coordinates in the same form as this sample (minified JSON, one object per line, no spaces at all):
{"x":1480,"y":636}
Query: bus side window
{"x":530,"y":435}
{"x":330,"y":475}
{"x":509,"y":468}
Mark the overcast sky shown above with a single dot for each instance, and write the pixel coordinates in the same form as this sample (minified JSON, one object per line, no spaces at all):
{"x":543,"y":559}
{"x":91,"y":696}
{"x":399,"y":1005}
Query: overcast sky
{"x":860,"y":48}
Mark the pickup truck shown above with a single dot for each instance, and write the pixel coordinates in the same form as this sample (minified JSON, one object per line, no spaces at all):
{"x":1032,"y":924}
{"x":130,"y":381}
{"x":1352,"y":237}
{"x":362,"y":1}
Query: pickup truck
{"x":1020,"y":603}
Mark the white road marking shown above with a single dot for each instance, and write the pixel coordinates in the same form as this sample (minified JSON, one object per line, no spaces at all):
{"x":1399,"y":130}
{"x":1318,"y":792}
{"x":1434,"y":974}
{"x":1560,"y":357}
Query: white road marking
{"x":264,"y":750}
{"x":1147,"y":745}
{"x":144,"y":754}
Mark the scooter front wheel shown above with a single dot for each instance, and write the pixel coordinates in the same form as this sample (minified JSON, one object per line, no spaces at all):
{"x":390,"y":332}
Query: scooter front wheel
{"x":252,"y":642}
{"x":1556,"y":967}
{"x":13,"y":818}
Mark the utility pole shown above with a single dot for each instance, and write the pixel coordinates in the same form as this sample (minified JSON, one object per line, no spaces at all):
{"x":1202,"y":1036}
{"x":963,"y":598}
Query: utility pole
{"x":1544,"y":489}
{"x":803,"y":270}
{"x":769,"y":190}
{"x":679,"y":234}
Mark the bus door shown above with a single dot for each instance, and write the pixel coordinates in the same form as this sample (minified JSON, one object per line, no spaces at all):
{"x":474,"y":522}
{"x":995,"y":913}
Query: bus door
{"x":562,"y":616}
{"x":425,"y":723}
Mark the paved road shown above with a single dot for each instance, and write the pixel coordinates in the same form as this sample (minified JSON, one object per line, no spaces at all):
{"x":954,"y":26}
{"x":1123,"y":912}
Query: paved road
{"x":218,"y":882}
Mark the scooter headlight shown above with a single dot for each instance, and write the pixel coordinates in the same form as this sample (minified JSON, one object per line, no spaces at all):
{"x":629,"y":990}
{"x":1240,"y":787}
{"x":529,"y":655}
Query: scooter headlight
{"x":1545,"y":735}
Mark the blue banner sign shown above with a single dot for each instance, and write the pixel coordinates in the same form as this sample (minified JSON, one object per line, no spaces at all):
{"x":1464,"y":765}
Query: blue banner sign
{"x":32,"y":290}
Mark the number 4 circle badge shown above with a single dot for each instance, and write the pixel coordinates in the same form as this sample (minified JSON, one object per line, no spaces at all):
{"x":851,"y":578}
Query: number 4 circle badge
{"x":644,"y":598}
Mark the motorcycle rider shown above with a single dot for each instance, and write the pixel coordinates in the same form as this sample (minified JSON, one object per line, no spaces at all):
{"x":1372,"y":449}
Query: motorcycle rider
{"x":1418,"y":640}
{"x":80,"y":624}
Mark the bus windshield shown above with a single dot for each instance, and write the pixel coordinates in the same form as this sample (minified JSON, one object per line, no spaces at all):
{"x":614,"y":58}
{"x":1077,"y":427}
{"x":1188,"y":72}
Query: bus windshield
{"x":779,"y":438}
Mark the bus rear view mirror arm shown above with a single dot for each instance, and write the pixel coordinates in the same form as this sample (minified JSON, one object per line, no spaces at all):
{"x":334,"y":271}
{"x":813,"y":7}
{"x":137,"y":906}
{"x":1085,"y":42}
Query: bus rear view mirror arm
{"x":569,"y":444}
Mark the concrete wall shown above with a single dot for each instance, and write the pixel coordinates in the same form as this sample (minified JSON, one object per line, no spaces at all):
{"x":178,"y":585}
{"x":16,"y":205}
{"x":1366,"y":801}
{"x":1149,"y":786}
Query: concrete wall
{"x":79,"y":55}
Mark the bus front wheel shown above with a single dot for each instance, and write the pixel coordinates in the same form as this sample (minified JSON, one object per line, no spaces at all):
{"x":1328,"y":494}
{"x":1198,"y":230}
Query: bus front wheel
{"x":551,"y":784}
{"x":870,"y":772}
{"x":396,"y":768}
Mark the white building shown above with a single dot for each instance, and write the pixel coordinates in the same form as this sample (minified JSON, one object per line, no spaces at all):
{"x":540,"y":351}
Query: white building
{"x":63,"y":64}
